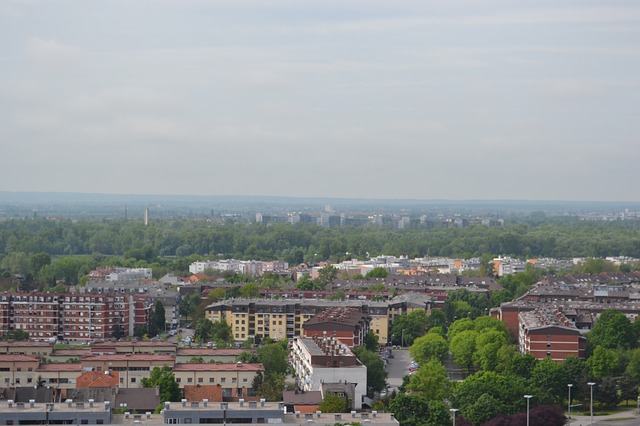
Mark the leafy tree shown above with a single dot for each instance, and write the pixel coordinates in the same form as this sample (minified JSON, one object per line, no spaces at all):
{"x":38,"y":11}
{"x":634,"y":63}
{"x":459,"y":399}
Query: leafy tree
{"x":159,"y":316}
{"x":274,"y":358}
{"x":603,"y":362}
{"x":376,"y":374}
{"x":437,"y":319}
{"x":548,"y":377}
{"x":460,"y":325}
{"x":249,"y":357}
{"x":429,"y":346}
{"x":220,"y":331}
{"x":463,"y":348}
{"x":488,"y":343}
{"x":271,"y":387}
{"x":628,"y":388}
{"x":485,"y":408}
{"x":606,"y":392}
{"x":249,"y":291}
{"x":430,"y":380}
{"x":163,"y":379}
{"x":196,"y":360}
{"x":485,"y":323}
{"x":406,"y":328}
{"x":612,"y":330}
{"x":17,"y":334}
{"x":410,"y":409}
{"x":232,"y":292}
{"x":377,"y":272}
{"x":188,"y":305}
{"x":371,"y":341}
{"x":332,"y":403}
{"x":326,"y":275}
{"x":506,"y":389}
{"x":204,"y":330}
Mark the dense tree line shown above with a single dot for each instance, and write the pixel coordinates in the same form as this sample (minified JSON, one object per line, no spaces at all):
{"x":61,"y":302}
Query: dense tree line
{"x":310,"y":243}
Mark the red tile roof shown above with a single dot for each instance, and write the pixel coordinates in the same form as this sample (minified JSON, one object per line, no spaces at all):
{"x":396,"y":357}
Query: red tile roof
{"x":17,"y":358}
{"x":129,"y":357}
{"x":98,"y":379}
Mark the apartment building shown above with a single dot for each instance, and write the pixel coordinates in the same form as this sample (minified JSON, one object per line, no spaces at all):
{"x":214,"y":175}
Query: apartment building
{"x":18,"y":370}
{"x":284,"y":319}
{"x":234,"y":379}
{"x":35,"y":313}
{"x":319,"y":362}
{"x":78,"y":318}
{"x":348,"y":325}
{"x":550,"y":334}
{"x":132,"y":367}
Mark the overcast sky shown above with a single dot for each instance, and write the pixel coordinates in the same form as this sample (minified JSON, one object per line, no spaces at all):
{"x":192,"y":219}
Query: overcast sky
{"x":526,"y":99}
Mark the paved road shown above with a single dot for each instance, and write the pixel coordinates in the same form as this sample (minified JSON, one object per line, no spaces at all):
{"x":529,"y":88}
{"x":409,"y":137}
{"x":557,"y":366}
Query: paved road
{"x":397,"y":368}
{"x":626,"y":418}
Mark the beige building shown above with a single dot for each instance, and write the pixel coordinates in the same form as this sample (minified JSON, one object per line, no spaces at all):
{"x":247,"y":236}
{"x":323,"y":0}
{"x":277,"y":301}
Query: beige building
{"x":235,"y":379}
{"x":18,"y":370}
{"x":132,"y":367}
{"x":59,"y":375}
{"x":284,"y":319}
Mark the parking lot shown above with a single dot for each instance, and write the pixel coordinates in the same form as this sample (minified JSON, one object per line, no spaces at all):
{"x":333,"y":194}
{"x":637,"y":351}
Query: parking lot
{"x":397,"y":368}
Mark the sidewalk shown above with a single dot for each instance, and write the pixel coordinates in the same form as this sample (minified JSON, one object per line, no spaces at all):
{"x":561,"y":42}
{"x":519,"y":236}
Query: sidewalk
{"x":586,"y":420}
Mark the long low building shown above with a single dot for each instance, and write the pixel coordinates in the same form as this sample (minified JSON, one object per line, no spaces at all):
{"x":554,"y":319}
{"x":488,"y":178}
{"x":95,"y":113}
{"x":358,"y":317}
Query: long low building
{"x":285,"y":318}
{"x":200,"y":412}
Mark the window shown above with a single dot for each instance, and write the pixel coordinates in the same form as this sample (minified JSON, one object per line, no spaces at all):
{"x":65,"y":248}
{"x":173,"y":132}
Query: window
{"x":200,"y":380}
{"x":189,"y":380}
{"x":212,"y":380}
{"x":133,"y":380}
{"x":223,"y":380}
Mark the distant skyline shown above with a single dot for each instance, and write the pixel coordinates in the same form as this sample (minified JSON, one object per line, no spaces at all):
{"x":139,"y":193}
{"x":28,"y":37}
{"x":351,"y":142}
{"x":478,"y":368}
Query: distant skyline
{"x":456,"y":100}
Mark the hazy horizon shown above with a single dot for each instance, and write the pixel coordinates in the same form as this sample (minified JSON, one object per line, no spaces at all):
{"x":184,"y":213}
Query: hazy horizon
{"x":407,"y":100}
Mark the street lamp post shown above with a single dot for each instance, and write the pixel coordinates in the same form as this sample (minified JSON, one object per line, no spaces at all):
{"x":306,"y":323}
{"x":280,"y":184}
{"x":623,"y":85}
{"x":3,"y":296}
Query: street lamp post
{"x":453,"y":413}
{"x":569,"y":403}
{"x":402,"y":341}
{"x":591,"y":384}
{"x":528,"y":397}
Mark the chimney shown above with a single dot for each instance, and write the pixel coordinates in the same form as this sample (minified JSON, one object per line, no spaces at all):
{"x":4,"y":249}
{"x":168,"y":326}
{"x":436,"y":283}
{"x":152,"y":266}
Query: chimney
{"x":32,"y":402}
